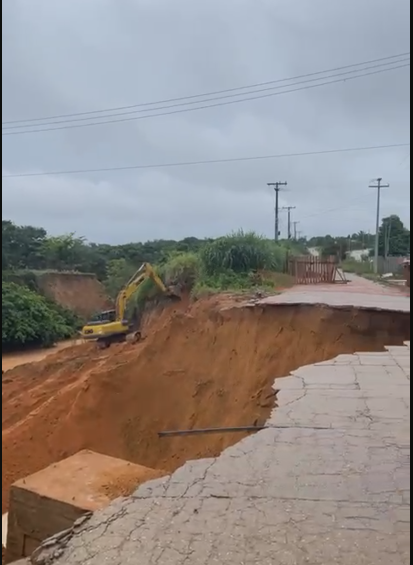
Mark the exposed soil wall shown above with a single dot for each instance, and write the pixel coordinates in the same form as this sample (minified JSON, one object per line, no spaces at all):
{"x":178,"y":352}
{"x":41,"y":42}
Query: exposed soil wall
{"x":200,"y":366}
{"x":81,"y":293}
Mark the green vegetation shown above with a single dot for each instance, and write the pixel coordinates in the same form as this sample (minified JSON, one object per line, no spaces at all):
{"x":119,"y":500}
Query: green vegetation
{"x":341,"y":245}
{"x":185,"y":268}
{"x":394,"y":241}
{"x":236,"y":262}
{"x":358,"y":267}
{"x":196,"y":266}
{"x":28,"y":319}
{"x":394,"y":238}
{"x":241,"y":253}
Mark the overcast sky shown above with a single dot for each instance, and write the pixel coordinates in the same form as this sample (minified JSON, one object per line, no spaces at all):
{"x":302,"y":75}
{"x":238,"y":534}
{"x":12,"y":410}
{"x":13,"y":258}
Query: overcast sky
{"x":70,"y":56}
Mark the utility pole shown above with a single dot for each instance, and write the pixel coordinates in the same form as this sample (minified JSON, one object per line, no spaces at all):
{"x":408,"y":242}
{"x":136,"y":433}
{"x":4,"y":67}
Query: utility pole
{"x":295,"y":224}
{"x":387,"y":232}
{"x":277,"y":187}
{"x":378,"y":185}
{"x":289,"y":208}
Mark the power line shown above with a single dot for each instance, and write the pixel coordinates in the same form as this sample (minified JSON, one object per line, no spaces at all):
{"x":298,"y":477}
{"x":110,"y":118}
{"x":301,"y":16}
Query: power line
{"x":335,"y":209}
{"x":208,"y":106}
{"x":325,"y":211}
{"x":191,"y":103}
{"x":213,"y":93}
{"x":208,"y":162}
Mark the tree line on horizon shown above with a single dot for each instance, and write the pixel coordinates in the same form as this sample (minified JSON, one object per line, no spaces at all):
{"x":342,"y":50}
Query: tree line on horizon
{"x":32,"y":248}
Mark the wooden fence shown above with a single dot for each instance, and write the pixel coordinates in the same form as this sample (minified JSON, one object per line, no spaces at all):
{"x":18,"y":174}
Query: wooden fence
{"x":315,"y":270}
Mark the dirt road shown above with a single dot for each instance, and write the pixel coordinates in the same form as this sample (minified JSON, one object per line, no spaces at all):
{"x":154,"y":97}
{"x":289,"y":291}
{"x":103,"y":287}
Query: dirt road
{"x":11,"y":360}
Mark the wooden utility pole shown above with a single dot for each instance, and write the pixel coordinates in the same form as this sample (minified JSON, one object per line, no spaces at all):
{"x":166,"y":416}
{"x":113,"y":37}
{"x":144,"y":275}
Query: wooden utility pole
{"x":295,"y":224}
{"x":378,"y":185}
{"x":289,"y":208}
{"x":277,"y":187}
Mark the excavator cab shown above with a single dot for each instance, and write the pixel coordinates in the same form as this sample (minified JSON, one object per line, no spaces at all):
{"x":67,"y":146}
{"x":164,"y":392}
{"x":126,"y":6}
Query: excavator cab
{"x":106,"y":317}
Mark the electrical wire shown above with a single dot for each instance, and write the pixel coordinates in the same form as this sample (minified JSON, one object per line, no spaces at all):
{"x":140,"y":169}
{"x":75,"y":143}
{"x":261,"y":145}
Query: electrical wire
{"x":390,"y":59}
{"x":336,"y":209}
{"x":210,"y":99}
{"x":218,"y":104}
{"x":209,"y":162}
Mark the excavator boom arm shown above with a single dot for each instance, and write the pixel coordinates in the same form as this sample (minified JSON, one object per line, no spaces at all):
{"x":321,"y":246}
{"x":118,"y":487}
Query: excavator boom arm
{"x":146,"y":271}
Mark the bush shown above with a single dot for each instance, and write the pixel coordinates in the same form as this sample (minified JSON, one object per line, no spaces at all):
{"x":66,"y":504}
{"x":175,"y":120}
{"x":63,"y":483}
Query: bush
{"x":29,"y":319}
{"x":183,"y":269}
{"x":241,"y":253}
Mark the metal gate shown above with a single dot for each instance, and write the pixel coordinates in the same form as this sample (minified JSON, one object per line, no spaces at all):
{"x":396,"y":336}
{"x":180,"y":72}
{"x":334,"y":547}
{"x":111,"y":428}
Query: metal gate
{"x":315,"y":270}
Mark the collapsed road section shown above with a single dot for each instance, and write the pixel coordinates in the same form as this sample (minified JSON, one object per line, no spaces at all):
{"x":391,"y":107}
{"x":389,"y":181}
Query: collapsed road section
{"x":202,"y":367}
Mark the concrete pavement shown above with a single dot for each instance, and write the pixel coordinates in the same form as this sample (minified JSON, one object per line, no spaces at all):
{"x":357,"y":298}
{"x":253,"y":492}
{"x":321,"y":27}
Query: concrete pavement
{"x":339,"y":299}
{"x":358,"y":292}
{"x":331,"y":485}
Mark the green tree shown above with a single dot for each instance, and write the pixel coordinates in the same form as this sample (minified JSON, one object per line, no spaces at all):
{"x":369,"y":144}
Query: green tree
{"x":119,"y":271}
{"x":394,"y":237}
{"x":63,"y":252}
{"x":21,"y":246}
{"x":337,"y":247}
{"x":28,"y":319}
{"x":362,"y":240}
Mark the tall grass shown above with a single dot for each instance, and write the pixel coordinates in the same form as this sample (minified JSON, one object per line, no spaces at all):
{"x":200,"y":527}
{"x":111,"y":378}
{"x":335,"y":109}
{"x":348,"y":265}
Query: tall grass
{"x":241,"y":252}
{"x":357,"y":267}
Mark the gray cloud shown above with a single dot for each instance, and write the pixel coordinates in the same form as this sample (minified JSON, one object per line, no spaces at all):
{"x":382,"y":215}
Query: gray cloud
{"x":65,"y":57}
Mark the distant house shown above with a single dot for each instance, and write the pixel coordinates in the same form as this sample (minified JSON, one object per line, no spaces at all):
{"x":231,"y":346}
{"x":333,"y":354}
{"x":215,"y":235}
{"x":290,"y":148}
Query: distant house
{"x":359,"y":254}
{"x":314,"y":251}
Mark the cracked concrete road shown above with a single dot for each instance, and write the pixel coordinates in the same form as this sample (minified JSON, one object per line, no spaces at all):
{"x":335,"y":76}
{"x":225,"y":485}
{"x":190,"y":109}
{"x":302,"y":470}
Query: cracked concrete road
{"x":327,"y":482}
{"x":358,"y":293}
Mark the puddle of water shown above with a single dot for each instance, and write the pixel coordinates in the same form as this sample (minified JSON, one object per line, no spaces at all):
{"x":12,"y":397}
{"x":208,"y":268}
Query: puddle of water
{"x":4,"y":529}
{"x":11,"y":360}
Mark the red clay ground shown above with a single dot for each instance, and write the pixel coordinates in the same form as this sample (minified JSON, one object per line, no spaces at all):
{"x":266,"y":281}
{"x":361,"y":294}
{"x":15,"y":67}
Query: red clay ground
{"x":200,"y":366}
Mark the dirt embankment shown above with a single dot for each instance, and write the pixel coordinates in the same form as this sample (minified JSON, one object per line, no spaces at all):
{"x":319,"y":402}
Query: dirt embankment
{"x":200,"y":366}
{"x":81,"y":293}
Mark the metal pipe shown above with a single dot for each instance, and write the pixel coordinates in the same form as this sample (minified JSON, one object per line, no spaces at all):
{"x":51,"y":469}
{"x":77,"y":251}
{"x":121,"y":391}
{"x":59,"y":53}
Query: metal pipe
{"x":239,"y":429}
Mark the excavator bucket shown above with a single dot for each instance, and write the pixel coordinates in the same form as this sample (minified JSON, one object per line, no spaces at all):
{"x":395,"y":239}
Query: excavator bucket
{"x":173,"y":293}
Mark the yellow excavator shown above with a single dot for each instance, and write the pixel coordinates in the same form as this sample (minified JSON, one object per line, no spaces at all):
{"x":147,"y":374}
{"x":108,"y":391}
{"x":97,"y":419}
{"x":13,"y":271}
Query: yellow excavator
{"x":111,"y":326}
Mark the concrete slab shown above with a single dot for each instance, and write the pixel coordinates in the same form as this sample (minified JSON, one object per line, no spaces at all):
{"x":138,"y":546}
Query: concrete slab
{"x":327,"y":482}
{"x":52,"y":500}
